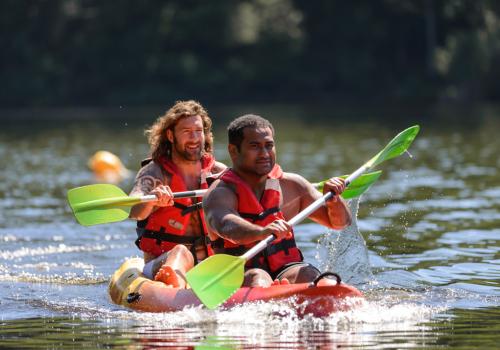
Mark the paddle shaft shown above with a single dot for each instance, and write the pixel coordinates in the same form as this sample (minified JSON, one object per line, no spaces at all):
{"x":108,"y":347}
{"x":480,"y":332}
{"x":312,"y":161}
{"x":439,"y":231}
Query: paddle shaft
{"x":217,"y":278}
{"x":124,"y":200}
{"x":303,"y":214}
{"x":185,"y":194}
{"x":132,"y":200}
{"x":201,"y":193}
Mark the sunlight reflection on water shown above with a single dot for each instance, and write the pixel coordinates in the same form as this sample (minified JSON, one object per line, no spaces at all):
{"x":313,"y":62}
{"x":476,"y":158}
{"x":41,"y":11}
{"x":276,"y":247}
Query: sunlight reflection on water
{"x":430,"y":225}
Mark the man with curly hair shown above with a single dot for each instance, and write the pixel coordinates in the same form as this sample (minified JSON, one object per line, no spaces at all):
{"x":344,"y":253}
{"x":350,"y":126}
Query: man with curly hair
{"x":172,"y":234}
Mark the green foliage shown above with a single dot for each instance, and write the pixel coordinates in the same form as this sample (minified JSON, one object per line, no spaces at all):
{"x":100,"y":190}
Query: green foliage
{"x":88,"y":52}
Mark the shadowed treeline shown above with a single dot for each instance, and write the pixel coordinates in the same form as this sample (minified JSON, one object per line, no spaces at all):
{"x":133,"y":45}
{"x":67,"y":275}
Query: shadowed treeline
{"x":108,"y":53}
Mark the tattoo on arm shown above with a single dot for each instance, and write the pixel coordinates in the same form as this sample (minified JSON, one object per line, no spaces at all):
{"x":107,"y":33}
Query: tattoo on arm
{"x":148,"y":178}
{"x":147,"y":183}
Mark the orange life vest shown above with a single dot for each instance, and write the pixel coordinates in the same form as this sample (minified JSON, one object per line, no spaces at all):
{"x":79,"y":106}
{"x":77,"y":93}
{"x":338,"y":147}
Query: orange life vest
{"x":263,"y":212}
{"x":166,"y":227}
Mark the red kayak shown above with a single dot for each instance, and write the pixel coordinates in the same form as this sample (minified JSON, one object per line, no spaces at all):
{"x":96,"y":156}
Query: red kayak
{"x":128,"y":287}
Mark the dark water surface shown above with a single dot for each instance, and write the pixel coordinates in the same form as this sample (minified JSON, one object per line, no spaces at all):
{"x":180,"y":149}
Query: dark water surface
{"x":430,"y":269}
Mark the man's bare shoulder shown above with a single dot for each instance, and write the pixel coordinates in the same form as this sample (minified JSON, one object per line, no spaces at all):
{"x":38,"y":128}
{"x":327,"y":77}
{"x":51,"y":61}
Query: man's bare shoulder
{"x":218,"y":167}
{"x":152,"y":168}
{"x":219,"y":194}
{"x":220,"y":187}
{"x":296,"y":186}
{"x":294,"y":180}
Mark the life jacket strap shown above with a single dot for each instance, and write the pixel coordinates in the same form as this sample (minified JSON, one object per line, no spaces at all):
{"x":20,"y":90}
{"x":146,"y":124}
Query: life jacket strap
{"x":219,"y":244}
{"x":261,"y":216}
{"x":283,"y":245}
{"x":235,"y":251}
{"x":162,"y":236}
{"x":186,"y":209}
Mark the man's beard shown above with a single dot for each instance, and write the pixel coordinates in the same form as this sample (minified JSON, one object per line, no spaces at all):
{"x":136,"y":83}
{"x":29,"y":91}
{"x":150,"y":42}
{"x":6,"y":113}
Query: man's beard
{"x":187,"y":154}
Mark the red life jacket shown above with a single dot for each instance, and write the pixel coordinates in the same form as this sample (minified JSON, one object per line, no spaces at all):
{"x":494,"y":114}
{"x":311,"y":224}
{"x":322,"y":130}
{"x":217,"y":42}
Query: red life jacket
{"x":279,"y":252}
{"x":166,"y":227}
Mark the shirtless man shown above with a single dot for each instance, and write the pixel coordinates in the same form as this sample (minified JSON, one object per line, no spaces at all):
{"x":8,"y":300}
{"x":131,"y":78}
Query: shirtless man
{"x":255,"y":199}
{"x":172,"y":234}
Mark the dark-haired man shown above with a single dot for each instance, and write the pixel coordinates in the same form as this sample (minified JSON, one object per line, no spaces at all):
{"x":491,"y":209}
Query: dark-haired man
{"x":255,"y":199}
{"x":172,"y":235}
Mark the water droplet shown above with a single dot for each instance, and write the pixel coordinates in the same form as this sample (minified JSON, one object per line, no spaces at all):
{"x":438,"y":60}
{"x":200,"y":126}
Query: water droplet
{"x":409,"y":154}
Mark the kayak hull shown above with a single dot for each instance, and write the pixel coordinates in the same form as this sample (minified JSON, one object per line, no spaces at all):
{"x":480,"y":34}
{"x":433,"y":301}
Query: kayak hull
{"x":128,"y":287}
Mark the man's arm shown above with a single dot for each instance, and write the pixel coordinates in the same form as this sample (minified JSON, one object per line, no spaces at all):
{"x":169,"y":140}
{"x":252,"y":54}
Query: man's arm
{"x":150,"y":180}
{"x":335,"y":214}
{"x":220,"y":208}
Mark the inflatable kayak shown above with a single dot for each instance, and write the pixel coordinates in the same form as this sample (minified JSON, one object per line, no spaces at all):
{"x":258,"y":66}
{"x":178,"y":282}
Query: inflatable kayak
{"x":128,"y":287}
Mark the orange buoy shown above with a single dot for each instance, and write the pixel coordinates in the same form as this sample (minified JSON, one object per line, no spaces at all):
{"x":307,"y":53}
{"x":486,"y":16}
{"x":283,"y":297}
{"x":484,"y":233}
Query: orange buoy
{"x":107,"y":167}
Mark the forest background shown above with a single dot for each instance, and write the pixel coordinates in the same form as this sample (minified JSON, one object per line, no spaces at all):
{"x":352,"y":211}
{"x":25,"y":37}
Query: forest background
{"x":73,"y":53}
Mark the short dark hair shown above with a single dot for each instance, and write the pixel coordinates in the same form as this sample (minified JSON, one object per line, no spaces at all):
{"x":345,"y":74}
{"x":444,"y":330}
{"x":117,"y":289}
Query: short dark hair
{"x":236,"y":127}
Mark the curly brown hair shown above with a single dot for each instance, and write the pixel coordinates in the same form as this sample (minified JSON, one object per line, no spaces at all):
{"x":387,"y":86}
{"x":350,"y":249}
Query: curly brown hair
{"x":157,"y":133}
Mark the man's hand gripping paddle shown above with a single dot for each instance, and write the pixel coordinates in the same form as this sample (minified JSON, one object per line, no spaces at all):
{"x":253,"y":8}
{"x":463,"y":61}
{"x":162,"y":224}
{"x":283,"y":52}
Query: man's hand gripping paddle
{"x":215,"y":279}
{"x":104,"y":203}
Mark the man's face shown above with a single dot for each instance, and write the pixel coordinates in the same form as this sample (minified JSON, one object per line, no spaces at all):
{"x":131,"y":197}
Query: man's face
{"x":257,"y":154}
{"x":188,"y":139}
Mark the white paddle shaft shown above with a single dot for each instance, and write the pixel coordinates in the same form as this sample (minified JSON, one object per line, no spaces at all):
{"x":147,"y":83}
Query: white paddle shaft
{"x":149,"y":198}
{"x":185,"y":194}
{"x":311,"y":208}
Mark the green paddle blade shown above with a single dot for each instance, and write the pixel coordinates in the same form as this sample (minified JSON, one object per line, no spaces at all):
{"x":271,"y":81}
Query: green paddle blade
{"x":396,"y":147}
{"x":99,"y":204}
{"x":215,"y":279}
{"x":358,"y":186}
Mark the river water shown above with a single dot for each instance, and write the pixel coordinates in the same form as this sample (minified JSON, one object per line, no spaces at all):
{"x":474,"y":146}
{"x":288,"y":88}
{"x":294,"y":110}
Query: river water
{"x":425,"y":248}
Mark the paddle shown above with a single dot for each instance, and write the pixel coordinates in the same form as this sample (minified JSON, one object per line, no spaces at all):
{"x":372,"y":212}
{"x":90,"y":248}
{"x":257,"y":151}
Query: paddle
{"x":105,"y":203}
{"x":357,"y":187}
{"x":215,"y":279}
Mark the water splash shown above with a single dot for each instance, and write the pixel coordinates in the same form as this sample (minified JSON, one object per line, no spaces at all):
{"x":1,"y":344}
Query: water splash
{"x":345,"y":252}
{"x":256,"y":324}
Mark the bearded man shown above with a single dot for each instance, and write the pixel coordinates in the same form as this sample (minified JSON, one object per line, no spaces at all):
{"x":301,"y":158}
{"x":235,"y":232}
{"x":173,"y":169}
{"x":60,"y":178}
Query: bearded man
{"x":172,"y":234}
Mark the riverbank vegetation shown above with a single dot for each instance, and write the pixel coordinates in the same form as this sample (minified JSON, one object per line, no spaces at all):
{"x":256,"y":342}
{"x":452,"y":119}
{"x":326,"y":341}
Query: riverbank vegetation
{"x":110,"y":53}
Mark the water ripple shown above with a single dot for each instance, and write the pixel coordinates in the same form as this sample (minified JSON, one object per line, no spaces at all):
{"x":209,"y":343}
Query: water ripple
{"x":50,"y":249}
